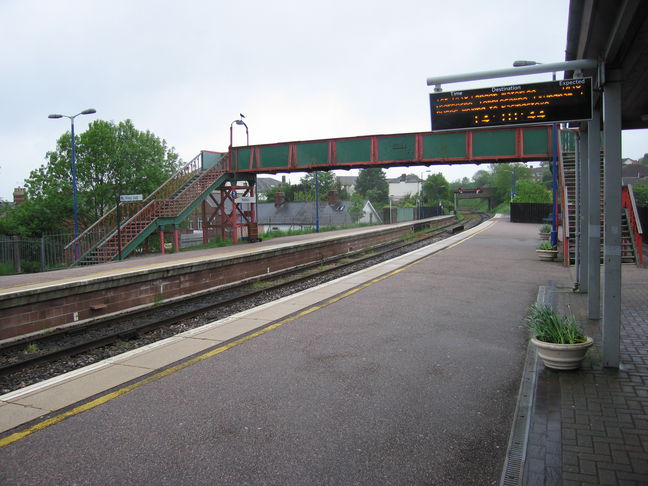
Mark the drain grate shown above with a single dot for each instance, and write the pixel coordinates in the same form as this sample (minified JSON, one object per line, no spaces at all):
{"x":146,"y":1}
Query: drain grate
{"x":516,"y":452}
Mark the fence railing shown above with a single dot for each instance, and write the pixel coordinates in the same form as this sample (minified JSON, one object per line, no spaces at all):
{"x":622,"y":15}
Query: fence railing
{"x":19,"y":254}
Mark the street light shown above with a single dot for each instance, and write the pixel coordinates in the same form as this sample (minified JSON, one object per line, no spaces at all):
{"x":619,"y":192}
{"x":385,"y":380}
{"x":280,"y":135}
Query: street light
{"x":553,"y":238}
{"x":89,"y":111}
{"x":247,"y":133}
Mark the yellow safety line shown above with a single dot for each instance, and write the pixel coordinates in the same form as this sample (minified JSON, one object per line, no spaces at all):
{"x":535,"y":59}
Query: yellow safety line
{"x":10,"y":439}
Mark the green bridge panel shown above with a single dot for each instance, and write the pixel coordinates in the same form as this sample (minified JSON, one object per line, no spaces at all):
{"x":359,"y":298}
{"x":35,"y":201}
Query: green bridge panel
{"x":536,"y":142}
{"x":489,"y":143}
{"x":353,"y":150}
{"x":243,"y":161}
{"x":397,"y":148}
{"x":274,"y":156}
{"x":444,"y":146}
{"x":313,"y":153}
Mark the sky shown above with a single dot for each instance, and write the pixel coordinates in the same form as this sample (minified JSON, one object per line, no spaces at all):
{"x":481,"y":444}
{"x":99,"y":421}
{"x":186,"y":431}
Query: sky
{"x":297,"y":70}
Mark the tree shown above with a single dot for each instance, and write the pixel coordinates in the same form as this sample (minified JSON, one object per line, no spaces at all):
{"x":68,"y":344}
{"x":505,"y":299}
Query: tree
{"x":532,"y":192}
{"x":371,"y":184}
{"x":502,"y":179}
{"x":482,"y":178}
{"x":112,"y":159}
{"x":356,"y":211}
{"x":325,"y":181}
{"x":436,"y":189}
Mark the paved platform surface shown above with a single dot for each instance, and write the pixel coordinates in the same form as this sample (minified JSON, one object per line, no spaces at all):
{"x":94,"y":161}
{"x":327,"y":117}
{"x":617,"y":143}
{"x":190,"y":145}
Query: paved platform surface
{"x":395,"y":375}
{"x":591,"y":426}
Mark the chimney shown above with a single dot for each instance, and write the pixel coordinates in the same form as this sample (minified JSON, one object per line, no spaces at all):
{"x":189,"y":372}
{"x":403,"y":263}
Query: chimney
{"x":19,"y":195}
{"x":333,"y":197}
{"x":279,"y":198}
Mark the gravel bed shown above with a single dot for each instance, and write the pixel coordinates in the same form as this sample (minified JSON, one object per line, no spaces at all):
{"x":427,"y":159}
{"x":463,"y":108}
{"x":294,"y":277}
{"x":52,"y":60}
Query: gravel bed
{"x":43,"y":371}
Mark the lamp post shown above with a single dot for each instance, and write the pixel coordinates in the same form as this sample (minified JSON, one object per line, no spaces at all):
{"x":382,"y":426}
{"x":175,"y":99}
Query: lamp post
{"x":553,"y":238}
{"x":317,"y":221}
{"x":89,"y":111}
{"x":247,"y":133}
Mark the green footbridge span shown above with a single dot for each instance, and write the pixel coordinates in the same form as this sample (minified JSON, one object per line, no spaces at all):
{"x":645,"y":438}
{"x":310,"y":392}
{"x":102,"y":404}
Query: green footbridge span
{"x":115,"y":236}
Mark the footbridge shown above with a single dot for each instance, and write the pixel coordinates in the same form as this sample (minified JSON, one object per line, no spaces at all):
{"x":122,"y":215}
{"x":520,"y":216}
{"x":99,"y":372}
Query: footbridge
{"x":114,"y":236}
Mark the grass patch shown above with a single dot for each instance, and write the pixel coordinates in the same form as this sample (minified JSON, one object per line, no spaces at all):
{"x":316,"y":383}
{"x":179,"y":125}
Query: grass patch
{"x":31,"y":348}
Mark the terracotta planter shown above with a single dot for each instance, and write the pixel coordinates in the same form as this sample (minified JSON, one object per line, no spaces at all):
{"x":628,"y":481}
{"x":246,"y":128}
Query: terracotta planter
{"x":562,"y":356}
{"x":547,"y":255}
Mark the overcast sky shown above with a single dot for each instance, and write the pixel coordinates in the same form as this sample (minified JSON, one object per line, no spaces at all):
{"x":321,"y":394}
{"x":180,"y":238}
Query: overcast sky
{"x":298,"y":70}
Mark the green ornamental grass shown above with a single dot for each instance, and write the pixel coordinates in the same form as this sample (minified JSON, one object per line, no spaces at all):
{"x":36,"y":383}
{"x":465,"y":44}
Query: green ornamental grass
{"x":546,"y":245}
{"x":549,"y":326}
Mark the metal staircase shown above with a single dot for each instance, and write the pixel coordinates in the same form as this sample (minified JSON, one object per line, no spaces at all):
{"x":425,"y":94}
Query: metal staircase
{"x":171,"y":203}
{"x":629,"y":251}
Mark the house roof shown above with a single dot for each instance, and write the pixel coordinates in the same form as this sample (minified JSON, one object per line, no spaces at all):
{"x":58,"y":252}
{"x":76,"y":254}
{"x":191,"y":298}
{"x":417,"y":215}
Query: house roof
{"x":407,"y":178}
{"x":634,"y":170}
{"x":303,"y":212}
{"x":265,"y":183}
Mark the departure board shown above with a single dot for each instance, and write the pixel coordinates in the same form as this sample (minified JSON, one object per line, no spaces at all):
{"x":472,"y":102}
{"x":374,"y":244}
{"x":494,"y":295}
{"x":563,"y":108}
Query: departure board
{"x":520,"y":104}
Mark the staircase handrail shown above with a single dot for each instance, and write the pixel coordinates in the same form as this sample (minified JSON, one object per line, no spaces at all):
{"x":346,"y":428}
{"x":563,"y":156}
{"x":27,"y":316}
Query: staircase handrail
{"x":192,"y":191}
{"x":635,"y":212}
{"x":628,"y":202}
{"x":105,"y":225}
{"x":565,"y":194}
{"x":99,"y":230}
{"x":171,"y":207}
{"x":173,"y":183}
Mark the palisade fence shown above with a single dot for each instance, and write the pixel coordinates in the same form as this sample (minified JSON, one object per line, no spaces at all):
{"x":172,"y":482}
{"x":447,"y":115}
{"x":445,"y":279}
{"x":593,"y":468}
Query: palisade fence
{"x":19,"y":254}
{"x":531,"y":212}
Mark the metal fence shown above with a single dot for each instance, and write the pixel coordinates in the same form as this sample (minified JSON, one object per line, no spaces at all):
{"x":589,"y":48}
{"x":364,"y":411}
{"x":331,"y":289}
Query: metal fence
{"x":531,"y":212}
{"x":28,"y":255}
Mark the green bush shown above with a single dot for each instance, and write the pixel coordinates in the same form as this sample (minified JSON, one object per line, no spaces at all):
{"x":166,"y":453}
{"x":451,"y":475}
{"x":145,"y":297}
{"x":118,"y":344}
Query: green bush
{"x":641,"y":194}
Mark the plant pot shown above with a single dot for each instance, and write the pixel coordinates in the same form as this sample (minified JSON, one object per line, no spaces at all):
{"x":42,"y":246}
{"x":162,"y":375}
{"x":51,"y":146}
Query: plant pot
{"x":547,"y":255}
{"x":544,"y":236}
{"x":562,"y":356}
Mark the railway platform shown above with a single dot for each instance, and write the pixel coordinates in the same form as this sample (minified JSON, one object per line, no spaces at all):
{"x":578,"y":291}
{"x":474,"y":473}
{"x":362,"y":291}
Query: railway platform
{"x":404,"y":373}
{"x":32,"y":303}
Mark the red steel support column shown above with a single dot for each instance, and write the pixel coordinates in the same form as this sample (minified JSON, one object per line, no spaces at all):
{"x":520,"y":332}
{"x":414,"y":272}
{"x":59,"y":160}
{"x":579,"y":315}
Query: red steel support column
{"x":205,"y":237}
{"x":176,"y":240}
{"x":162,"y":242}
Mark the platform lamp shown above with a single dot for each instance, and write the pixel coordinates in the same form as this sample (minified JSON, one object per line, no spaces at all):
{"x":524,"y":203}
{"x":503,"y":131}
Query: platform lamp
{"x":239,"y":122}
{"x":553,"y":238}
{"x":89,"y":111}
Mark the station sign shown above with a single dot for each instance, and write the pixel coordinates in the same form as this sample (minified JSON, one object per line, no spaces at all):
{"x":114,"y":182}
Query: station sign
{"x":245,"y":199}
{"x":520,"y":104}
{"x":130,"y":197}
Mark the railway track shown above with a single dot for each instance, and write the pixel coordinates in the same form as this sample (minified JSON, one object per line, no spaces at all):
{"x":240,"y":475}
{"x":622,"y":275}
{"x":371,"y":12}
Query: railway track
{"x":64,"y":350}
